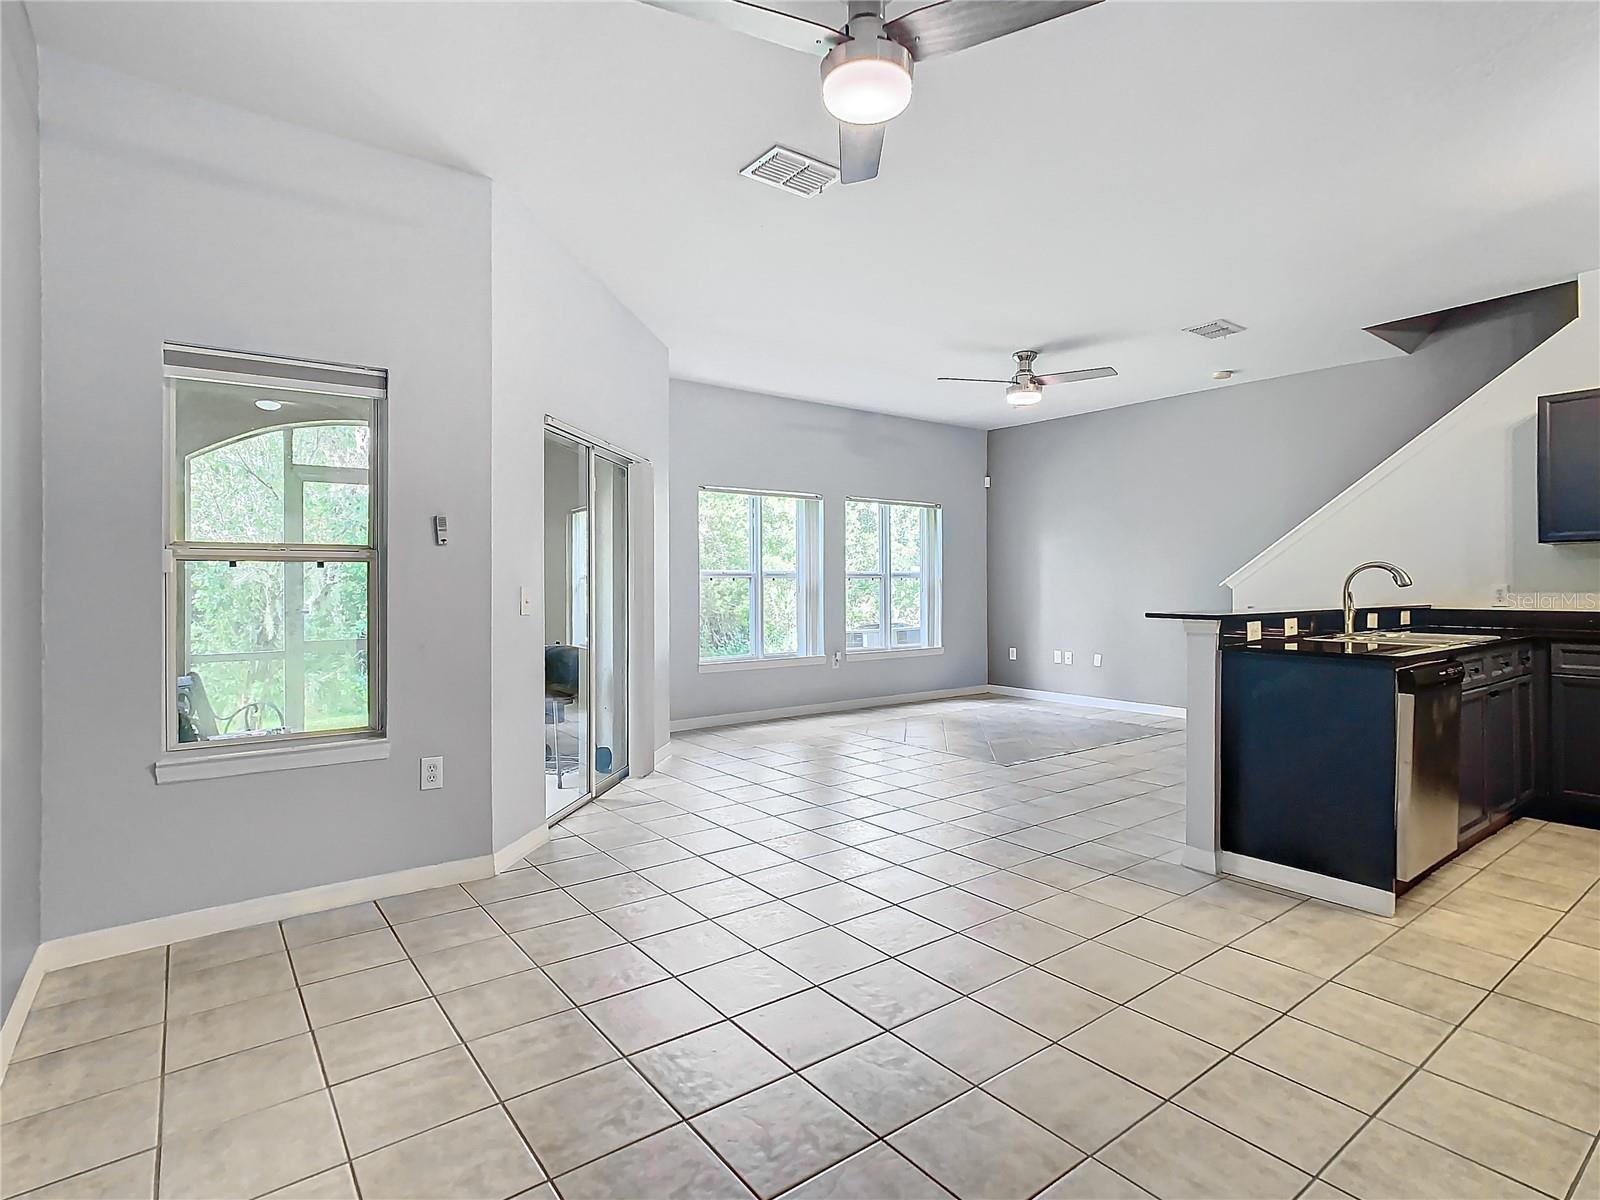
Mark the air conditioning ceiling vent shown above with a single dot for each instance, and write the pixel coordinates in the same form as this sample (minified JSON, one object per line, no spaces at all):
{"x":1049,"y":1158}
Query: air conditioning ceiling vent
{"x":1220,"y":328}
{"x":792,"y":171}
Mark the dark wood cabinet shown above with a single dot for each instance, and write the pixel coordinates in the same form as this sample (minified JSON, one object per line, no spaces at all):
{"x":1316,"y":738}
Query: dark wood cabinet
{"x":1526,"y":770}
{"x":1474,"y":760}
{"x":1498,"y":750}
{"x":1575,"y":745}
{"x":1554,"y":710}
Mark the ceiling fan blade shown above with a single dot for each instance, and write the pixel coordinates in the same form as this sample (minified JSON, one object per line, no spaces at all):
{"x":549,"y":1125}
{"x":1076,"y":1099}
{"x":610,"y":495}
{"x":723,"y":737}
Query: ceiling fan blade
{"x":768,"y":24}
{"x":965,"y":379}
{"x":1077,"y":376}
{"x":860,"y":148}
{"x":946,"y":26}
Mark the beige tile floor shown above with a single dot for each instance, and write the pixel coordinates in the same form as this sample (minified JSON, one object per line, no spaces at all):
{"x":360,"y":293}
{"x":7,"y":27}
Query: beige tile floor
{"x":819,"y":958}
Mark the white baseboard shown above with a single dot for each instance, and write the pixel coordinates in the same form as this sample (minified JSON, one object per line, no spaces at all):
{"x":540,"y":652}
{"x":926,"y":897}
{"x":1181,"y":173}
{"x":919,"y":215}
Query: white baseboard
{"x":831,"y":706}
{"x":1308,"y":883}
{"x":158,"y":931}
{"x":524,"y":845}
{"x":1156,"y":710}
{"x":21,"y":1004}
{"x":97,"y":944}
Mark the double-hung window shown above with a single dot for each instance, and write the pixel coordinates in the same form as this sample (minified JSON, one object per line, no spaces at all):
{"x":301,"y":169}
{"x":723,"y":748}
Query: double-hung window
{"x":274,"y":551}
{"x":759,"y":576}
{"x":892,"y":575}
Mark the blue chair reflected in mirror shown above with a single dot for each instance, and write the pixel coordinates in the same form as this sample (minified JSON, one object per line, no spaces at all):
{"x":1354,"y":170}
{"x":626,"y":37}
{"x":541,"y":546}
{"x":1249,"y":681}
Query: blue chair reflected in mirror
{"x":563,"y":669}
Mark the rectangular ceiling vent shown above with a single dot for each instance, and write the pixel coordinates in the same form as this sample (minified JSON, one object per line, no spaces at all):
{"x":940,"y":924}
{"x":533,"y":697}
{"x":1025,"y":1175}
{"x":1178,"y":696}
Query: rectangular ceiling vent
{"x":1219,"y":328}
{"x":792,"y":171}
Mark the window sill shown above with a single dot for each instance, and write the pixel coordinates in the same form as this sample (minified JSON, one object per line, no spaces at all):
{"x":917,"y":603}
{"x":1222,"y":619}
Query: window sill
{"x":903,"y":652}
{"x":198,"y":764}
{"x":761,"y":664}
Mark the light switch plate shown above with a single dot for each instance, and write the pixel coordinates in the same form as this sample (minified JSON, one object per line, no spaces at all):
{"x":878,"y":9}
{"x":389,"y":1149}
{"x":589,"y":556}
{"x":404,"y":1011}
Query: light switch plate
{"x":1013,"y":653}
{"x":1097,"y":660}
{"x":1252,"y":632}
{"x":1405,"y":616}
{"x":1291,"y":626}
{"x":1066,"y":657}
{"x":1372,"y":620}
{"x":1057,"y":654}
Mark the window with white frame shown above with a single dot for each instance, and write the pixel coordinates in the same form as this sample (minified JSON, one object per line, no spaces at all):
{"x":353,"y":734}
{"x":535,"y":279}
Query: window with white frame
{"x":892,"y":575}
{"x":274,"y":560}
{"x":759,"y":576}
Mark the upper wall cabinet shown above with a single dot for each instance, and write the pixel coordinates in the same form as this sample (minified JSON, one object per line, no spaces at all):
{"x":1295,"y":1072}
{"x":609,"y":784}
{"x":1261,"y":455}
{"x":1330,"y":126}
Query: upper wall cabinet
{"x":1569,"y":467}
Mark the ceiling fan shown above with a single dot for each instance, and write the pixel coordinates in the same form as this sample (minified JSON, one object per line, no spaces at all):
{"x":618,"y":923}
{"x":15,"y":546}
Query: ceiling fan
{"x":1025,"y":388}
{"x":867,"y":64}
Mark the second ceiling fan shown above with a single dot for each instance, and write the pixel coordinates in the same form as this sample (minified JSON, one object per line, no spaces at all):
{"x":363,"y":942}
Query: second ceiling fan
{"x":1025,"y":388}
{"x":867,"y":64}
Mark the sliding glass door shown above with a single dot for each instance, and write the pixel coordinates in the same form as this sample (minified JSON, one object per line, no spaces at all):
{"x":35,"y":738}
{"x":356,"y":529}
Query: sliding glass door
{"x":586,"y":596}
{"x":609,"y":627}
{"x":567,"y":727}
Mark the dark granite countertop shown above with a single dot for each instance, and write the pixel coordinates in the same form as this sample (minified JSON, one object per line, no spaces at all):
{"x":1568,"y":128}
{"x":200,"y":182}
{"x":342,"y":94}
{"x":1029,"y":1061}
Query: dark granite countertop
{"x":1273,"y":615}
{"x":1503,"y":625}
{"x":1307,"y":648}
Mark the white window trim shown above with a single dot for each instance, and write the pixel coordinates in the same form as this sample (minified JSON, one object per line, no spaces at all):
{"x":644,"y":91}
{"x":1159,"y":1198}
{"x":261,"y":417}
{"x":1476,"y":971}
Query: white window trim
{"x":713,"y":666}
{"x":179,"y":762}
{"x":807,"y":577}
{"x":930,"y":575}
{"x":187,"y":767}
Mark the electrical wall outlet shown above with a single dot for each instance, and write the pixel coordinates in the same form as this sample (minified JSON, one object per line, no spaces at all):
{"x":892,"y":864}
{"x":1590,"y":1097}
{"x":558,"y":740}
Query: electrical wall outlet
{"x":1066,"y":657}
{"x":1013,"y":654}
{"x":432,"y":774}
{"x":1097,"y":660}
{"x":1057,"y":656}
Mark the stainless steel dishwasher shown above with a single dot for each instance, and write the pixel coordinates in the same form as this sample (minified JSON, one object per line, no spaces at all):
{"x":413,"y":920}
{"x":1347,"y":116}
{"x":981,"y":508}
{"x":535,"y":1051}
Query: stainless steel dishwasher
{"x":1427,"y":766}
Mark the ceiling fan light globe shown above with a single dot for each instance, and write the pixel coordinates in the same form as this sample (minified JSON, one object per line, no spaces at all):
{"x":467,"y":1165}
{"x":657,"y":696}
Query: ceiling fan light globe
{"x":866,"y":83}
{"x":1022,"y":395}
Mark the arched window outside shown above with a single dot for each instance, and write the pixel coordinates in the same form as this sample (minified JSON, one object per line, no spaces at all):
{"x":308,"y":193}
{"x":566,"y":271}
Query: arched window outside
{"x":274,"y":555}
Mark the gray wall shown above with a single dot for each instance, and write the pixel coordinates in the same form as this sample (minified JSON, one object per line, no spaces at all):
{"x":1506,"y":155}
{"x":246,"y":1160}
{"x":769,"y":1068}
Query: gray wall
{"x":20,"y":499}
{"x":170,"y":217}
{"x":553,"y":322}
{"x":1096,"y":519}
{"x":743,"y":439}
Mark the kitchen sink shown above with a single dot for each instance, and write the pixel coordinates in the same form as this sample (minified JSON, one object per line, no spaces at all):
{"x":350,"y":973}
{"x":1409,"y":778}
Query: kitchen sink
{"x":1407,"y":639}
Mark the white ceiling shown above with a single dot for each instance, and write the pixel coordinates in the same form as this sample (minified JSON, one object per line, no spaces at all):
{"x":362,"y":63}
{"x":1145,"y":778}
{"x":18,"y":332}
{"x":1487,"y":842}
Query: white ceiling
{"x":1089,"y":187}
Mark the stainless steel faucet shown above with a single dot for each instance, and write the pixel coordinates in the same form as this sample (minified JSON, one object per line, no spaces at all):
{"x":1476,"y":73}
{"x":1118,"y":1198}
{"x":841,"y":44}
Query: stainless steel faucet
{"x":1399,"y":576}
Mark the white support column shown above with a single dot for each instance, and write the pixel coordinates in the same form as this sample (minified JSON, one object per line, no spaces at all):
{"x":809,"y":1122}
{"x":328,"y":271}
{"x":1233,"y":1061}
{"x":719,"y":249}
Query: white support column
{"x":1204,"y":723}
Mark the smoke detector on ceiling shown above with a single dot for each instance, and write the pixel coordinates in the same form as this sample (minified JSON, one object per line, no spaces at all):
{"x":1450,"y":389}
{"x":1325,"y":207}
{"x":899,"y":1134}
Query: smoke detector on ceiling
{"x":1220,"y":328}
{"x":791,"y":171}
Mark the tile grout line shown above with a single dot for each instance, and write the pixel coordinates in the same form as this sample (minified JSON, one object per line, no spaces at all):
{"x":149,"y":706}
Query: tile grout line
{"x":161,"y":1088}
{"x":1421,"y":1067}
{"x":614,"y":814}
{"x":322,"y":1065}
{"x":971,"y":1087}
